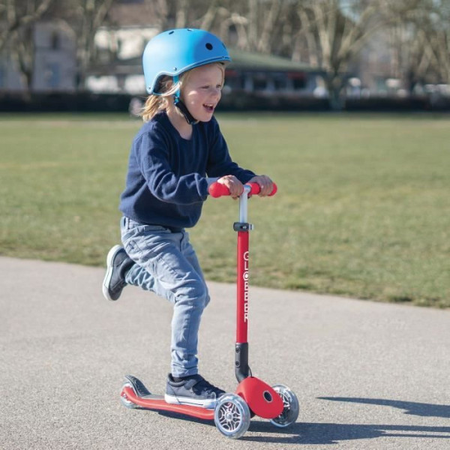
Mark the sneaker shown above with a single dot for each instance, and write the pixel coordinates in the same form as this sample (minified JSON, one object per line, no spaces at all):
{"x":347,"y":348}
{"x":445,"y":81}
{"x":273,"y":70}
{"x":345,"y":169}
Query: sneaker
{"x":193,"y":390}
{"x":117,"y":265}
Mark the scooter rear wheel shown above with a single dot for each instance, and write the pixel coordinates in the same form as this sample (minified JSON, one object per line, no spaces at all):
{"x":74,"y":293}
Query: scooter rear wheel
{"x":291,"y":407}
{"x":232,"y":416}
{"x":125,"y":402}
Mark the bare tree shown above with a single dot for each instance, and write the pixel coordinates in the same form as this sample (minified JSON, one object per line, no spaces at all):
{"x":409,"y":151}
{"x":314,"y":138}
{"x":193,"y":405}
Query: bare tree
{"x":440,"y":43}
{"x":254,"y":25}
{"x":264,"y":26}
{"x":18,"y":14}
{"x":82,"y":16}
{"x":89,"y":16}
{"x":335,"y":34}
{"x":168,"y":14}
{"x":326,"y":33}
{"x":434,"y":24}
{"x":17,"y":19}
{"x":411,"y":53}
{"x":420,"y":40}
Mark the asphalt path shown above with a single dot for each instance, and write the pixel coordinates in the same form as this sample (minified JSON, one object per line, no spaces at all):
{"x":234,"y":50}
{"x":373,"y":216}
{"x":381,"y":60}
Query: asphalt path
{"x":367,"y":375}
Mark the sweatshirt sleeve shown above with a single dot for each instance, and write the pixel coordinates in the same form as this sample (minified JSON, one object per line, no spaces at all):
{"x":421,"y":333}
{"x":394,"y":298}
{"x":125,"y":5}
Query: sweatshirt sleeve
{"x":220,"y":162}
{"x":152,"y":154}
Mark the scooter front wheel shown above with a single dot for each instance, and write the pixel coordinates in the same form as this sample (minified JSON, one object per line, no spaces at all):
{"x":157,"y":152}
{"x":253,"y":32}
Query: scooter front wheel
{"x":232,"y":416}
{"x":291,"y":407}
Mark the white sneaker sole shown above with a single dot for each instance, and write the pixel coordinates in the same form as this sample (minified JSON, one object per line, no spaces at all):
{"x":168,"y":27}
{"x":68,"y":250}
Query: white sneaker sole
{"x":109,"y":271}
{"x":206,"y":403}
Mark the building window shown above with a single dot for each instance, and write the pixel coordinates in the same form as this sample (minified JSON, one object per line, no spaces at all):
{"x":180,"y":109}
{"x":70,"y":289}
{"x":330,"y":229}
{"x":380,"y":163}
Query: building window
{"x":259,"y":82}
{"x":53,"y":76}
{"x":55,"y":41}
{"x":234,"y":80}
{"x":298,"y":80}
{"x":280,"y":83}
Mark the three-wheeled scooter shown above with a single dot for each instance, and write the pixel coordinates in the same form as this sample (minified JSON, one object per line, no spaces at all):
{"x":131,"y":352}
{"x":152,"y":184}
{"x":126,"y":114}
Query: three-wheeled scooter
{"x":253,"y":396}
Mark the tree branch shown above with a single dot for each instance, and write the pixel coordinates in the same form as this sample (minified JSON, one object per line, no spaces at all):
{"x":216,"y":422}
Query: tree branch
{"x":16,"y":20}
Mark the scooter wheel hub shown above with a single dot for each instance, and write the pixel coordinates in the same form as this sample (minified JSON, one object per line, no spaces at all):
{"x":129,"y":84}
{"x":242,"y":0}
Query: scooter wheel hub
{"x":232,"y":416}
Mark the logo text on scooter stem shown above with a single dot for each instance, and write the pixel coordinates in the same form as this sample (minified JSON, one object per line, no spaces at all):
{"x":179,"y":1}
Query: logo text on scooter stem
{"x":245,"y":276}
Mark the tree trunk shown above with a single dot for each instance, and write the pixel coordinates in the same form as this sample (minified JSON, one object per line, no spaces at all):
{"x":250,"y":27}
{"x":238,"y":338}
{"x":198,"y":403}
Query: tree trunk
{"x":335,"y":84}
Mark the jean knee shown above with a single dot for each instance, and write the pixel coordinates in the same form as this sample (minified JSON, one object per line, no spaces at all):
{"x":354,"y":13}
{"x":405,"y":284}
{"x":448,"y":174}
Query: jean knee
{"x":195,"y":296}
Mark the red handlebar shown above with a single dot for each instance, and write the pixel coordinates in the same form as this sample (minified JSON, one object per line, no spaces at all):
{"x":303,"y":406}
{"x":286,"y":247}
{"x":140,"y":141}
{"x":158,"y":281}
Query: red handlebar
{"x":219,"y":190}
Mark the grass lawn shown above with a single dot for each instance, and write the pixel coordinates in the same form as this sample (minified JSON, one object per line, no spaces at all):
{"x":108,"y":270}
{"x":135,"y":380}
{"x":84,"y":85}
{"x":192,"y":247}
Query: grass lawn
{"x":363,"y":208}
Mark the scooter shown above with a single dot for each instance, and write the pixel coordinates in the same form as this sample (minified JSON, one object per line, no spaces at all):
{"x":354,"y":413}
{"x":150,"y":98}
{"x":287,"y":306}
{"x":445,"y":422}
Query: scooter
{"x":253,"y":396}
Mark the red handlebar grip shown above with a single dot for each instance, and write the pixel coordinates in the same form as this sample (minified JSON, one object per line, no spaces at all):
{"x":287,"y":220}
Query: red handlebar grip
{"x":217,"y":190}
{"x":256,"y":189}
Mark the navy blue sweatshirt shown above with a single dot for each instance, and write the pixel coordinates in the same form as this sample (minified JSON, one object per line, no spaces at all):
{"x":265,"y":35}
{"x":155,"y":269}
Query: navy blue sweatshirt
{"x":167,"y":175}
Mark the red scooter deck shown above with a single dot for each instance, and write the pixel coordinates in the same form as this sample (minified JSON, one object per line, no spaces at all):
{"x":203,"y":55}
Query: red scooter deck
{"x":157,"y":402}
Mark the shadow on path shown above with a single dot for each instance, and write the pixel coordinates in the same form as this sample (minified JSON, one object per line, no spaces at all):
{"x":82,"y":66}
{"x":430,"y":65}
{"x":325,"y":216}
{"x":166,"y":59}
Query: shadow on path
{"x":411,"y":408}
{"x":333,"y":433}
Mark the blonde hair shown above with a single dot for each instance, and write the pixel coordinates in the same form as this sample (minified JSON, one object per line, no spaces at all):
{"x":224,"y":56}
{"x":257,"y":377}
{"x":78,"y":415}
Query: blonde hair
{"x":159,"y":102}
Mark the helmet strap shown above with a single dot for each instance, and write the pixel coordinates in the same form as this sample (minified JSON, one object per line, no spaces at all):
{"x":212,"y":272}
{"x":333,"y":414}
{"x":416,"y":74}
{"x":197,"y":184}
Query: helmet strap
{"x":181,"y":106}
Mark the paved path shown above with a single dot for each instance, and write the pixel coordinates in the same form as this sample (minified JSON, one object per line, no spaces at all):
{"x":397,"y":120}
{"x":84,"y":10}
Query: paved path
{"x":368,"y":375}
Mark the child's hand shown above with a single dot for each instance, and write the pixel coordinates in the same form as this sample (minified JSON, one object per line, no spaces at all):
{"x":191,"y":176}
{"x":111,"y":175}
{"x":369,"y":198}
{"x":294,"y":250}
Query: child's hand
{"x":265,"y":183}
{"x":235,"y":187}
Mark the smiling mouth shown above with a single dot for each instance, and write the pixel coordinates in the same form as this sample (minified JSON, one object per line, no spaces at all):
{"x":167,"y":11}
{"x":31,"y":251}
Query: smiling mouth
{"x":209,"y":108}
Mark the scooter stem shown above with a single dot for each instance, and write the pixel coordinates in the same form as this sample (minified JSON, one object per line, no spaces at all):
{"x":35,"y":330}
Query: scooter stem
{"x":243,"y":228}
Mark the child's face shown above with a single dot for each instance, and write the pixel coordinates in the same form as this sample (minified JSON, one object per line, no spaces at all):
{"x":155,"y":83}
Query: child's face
{"x":202,"y":90}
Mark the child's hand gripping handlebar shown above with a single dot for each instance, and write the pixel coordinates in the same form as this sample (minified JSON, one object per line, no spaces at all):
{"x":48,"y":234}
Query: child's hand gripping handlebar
{"x":217,"y":189}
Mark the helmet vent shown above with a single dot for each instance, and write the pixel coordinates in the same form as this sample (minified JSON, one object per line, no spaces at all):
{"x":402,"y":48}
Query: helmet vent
{"x":171,"y":32}
{"x":209,"y":46}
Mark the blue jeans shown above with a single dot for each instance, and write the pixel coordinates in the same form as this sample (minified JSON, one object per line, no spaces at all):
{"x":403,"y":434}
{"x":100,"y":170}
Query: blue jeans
{"x":167,"y":265}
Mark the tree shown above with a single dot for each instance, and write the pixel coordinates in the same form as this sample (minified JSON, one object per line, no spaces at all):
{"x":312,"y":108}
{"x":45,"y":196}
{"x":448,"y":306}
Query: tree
{"x":83,"y":17}
{"x":166,"y":14}
{"x":440,"y":39}
{"x":263,"y":26}
{"x":16,"y":15}
{"x":420,"y":39}
{"x":334,"y":32}
{"x":17,"y":18}
{"x":254,"y":25}
{"x":91,"y":14}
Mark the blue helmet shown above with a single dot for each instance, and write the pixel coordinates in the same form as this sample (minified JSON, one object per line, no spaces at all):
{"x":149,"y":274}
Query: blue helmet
{"x":176,"y":51}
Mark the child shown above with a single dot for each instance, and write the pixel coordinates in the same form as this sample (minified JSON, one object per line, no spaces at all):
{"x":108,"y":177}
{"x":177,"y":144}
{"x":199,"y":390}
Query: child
{"x":176,"y":155}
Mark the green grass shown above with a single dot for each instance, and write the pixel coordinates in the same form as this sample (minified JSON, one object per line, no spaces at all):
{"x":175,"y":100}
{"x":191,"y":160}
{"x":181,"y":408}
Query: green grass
{"x":362,"y":210}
